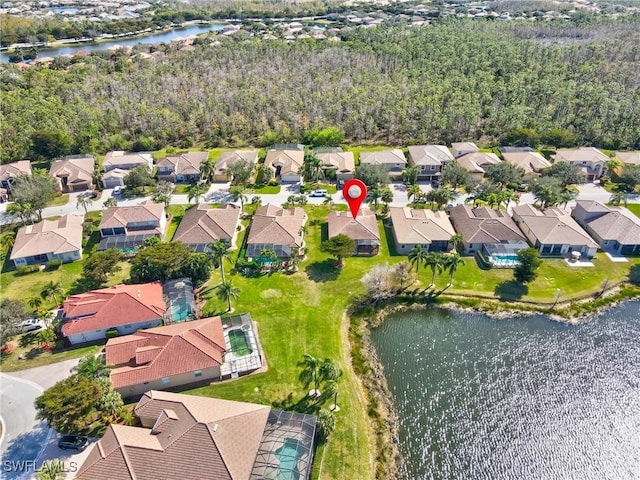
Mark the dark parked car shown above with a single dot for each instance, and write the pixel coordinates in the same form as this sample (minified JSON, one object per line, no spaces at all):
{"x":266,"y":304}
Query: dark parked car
{"x":75,"y":442}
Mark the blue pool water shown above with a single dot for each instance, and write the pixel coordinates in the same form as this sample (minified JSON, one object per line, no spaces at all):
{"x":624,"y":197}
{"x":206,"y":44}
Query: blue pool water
{"x":288,"y":456}
{"x":504,"y":259}
{"x":180,"y":311}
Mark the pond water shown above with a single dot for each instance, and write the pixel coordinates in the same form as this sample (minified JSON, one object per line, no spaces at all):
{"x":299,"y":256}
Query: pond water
{"x":164,"y":37}
{"x":522,"y":398}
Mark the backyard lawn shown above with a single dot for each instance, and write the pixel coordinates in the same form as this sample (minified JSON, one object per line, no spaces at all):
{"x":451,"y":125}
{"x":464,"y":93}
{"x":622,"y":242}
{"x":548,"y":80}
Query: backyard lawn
{"x":635,"y":208}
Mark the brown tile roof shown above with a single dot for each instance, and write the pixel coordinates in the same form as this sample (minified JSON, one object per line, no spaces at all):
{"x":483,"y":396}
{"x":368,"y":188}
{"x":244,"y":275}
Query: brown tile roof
{"x":118,"y":158}
{"x":115,"y":173}
{"x":121,"y":217}
{"x":203,"y":224}
{"x":413,"y":226}
{"x":343,"y":162}
{"x":484,"y":225}
{"x":614,"y":223}
{"x":429,"y":155}
{"x":629,"y":158}
{"x":185,"y":163}
{"x":290,"y":161}
{"x":383,"y":157}
{"x":77,"y":170}
{"x":553,"y":226}
{"x":113,"y":306}
{"x":194,"y":438}
{"x":277,"y":226}
{"x":477,"y":162}
{"x":165,"y":351}
{"x":531,"y":162}
{"x":15,"y":169}
{"x":226,"y":159}
{"x":49,"y":236}
{"x":459,"y":147}
{"x":364,"y":227}
{"x":575,"y":155}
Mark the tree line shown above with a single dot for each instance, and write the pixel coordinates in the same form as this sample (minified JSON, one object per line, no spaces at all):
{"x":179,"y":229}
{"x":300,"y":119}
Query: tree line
{"x":457,"y":80}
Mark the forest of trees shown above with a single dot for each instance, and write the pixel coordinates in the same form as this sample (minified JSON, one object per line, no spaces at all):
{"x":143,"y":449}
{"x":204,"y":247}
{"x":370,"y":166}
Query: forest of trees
{"x":458,"y":80}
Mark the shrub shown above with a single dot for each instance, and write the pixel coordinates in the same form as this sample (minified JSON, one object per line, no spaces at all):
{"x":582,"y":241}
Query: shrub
{"x":54,"y":264}
{"x":111,"y":333}
{"x":305,"y":188}
{"x":272,"y":183}
{"x":24,"y":269}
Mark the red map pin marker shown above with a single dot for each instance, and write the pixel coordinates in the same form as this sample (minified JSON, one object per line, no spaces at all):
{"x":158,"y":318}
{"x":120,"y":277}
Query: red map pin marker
{"x":354,"y":192}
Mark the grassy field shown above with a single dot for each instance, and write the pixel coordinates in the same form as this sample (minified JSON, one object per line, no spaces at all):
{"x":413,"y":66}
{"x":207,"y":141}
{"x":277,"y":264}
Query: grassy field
{"x":59,"y":200}
{"x":635,"y":208}
{"x":27,"y":345}
{"x":263,"y":190}
{"x":176,"y":212}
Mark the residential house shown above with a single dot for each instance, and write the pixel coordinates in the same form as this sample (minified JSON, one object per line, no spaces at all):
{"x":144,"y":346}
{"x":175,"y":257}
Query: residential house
{"x":114,"y":178}
{"x":553,"y":232}
{"x":277,"y":229}
{"x":126,"y":161}
{"x":146,"y":359}
{"x":429,"y":160}
{"x":428,"y":229}
{"x":628,"y":158}
{"x":74,"y":173}
{"x":477,"y":163}
{"x":227,"y":159}
{"x":484,"y":228}
{"x":182,"y":168}
{"x":616,"y":229}
{"x":201,"y":438}
{"x":531,"y":162}
{"x":48,"y":240}
{"x":128,"y":227}
{"x":124,"y":309}
{"x":285,"y":164}
{"x":203,"y":225}
{"x":339,"y":163}
{"x":393,"y":160}
{"x":462,"y":148}
{"x":363,"y":230}
{"x":590,"y":160}
{"x":10,"y":171}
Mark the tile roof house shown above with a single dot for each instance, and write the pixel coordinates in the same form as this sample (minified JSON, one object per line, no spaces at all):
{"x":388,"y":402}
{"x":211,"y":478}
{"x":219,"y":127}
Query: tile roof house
{"x":164,"y":357}
{"x":129,"y":226}
{"x":590,"y":160}
{"x":462,"y":148}
{"x":363,"y":230}
{"x":477,"y":163}
{"x":628,"y":158}
{"x":202,"y":225}
{"x":126,"y":161}
{"x":616,"y":229}
{"x":342,"y":163}
{"x":277,"y":229}
{"x":114,"y":178}
{"x":49,"y":239}
{"x":182,"y":168}
{"x":285,"y":164}
{"x":393,"y":160}
{"x":9,"y":172}
{"x":226,"y":159}
{"x":74,"y":173}
{"x":425,"y":228}
{"x":200,"y":438}
{"x":86,"y":317}
{"x":429,"y":159}
{"x":553,"y":232}
{"x":482,"y":227}
{"x":531,"y":162}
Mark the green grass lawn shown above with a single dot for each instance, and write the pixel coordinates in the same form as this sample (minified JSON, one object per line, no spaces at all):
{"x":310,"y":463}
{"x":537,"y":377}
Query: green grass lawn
{"x":635,"y":208}
{"x":263,"y":190}
{"x":59,"y":200}
{"x":28,"y":346}
{"x":176,"y":212}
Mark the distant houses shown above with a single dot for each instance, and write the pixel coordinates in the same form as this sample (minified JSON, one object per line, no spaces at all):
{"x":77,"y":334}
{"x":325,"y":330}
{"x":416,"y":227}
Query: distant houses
{"x":128,"y":227}
{"x":181,"y":168}
{"x":126,"y":161}
{"x":74,"y":173}
{"x":10,"y":171}
{"x":336,"y":162}
{"x":285,"y":164}
{"x":203,"y":225}
{"x":531,"y":162}
{"x":363,"y":230}
{"x":428,"y":229}
{"x":393,"y":161}
{"x":589,"y":159}
{"x":429,"y":160}
{"x":227,"y":159}
{"x":278,"y":230}
{"x":477,"y":163}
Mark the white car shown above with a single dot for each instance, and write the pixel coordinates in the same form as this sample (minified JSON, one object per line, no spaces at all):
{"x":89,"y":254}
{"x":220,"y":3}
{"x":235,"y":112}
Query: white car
{"x":117,"y":190}
{"x":30,"y":325}
{"x":319,"y":193}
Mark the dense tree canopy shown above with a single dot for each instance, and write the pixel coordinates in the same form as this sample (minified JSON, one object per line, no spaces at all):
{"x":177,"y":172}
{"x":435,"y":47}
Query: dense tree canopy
{"x":12,"y":312}
{"x":166,"y":261}
{"x":454,"y":80}
{"x":36,"y":191}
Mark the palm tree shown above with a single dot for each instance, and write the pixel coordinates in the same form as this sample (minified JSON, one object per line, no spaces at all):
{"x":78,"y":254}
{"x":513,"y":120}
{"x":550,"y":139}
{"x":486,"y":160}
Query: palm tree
{"x":35,"y":303}
{"x":413,"y":191}
{"x":238,"y":195}
{"x":8,"y":241}
{"x":417,"y":256}
{"x":51,"y":291}
{"x":374,"y":197}
{"x":226,"y":291}
{"x":452,"y":262}
{"x":91,"y":366}
{"x":456,"y":240}
{"x":84,"y":202}
{"x":207,"y":170}
{"x":618,"y":198}
{"x":24,"y":211}
{"x":433,"y":261}
{"x":331,"y":373}
{"x":218,"y":252}
{"x":310,"y":373}
{"x":195,"y":191}
{"x":111,"y":202}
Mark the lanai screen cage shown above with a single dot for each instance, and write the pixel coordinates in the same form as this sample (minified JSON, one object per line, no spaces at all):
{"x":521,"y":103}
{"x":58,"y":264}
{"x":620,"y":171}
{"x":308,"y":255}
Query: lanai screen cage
{"x":181,"y":303}
{"x":124,"y":242}
{"x":287,"y":447}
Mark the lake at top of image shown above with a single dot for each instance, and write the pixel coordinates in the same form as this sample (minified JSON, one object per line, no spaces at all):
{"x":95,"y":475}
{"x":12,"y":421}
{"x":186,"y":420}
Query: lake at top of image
{"x":521,"y":398}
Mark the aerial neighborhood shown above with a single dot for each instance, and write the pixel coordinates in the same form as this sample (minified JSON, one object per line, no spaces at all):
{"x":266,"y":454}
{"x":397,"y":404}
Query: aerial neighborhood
{"x":156,"y":245}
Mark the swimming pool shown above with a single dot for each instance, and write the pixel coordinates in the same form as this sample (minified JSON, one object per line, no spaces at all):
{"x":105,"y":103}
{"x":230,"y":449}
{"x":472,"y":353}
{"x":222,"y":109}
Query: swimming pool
{"x":288,"y":456}
{"x":180,"y":311}
{"x":504,"y":260}
{"x":239,"y":342}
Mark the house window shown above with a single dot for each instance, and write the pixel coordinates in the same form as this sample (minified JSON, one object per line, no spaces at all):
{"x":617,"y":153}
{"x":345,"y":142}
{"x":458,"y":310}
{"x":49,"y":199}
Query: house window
{"x":432,"y":167}
{"x":197,"y":373}
{"x":165,"y":381}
